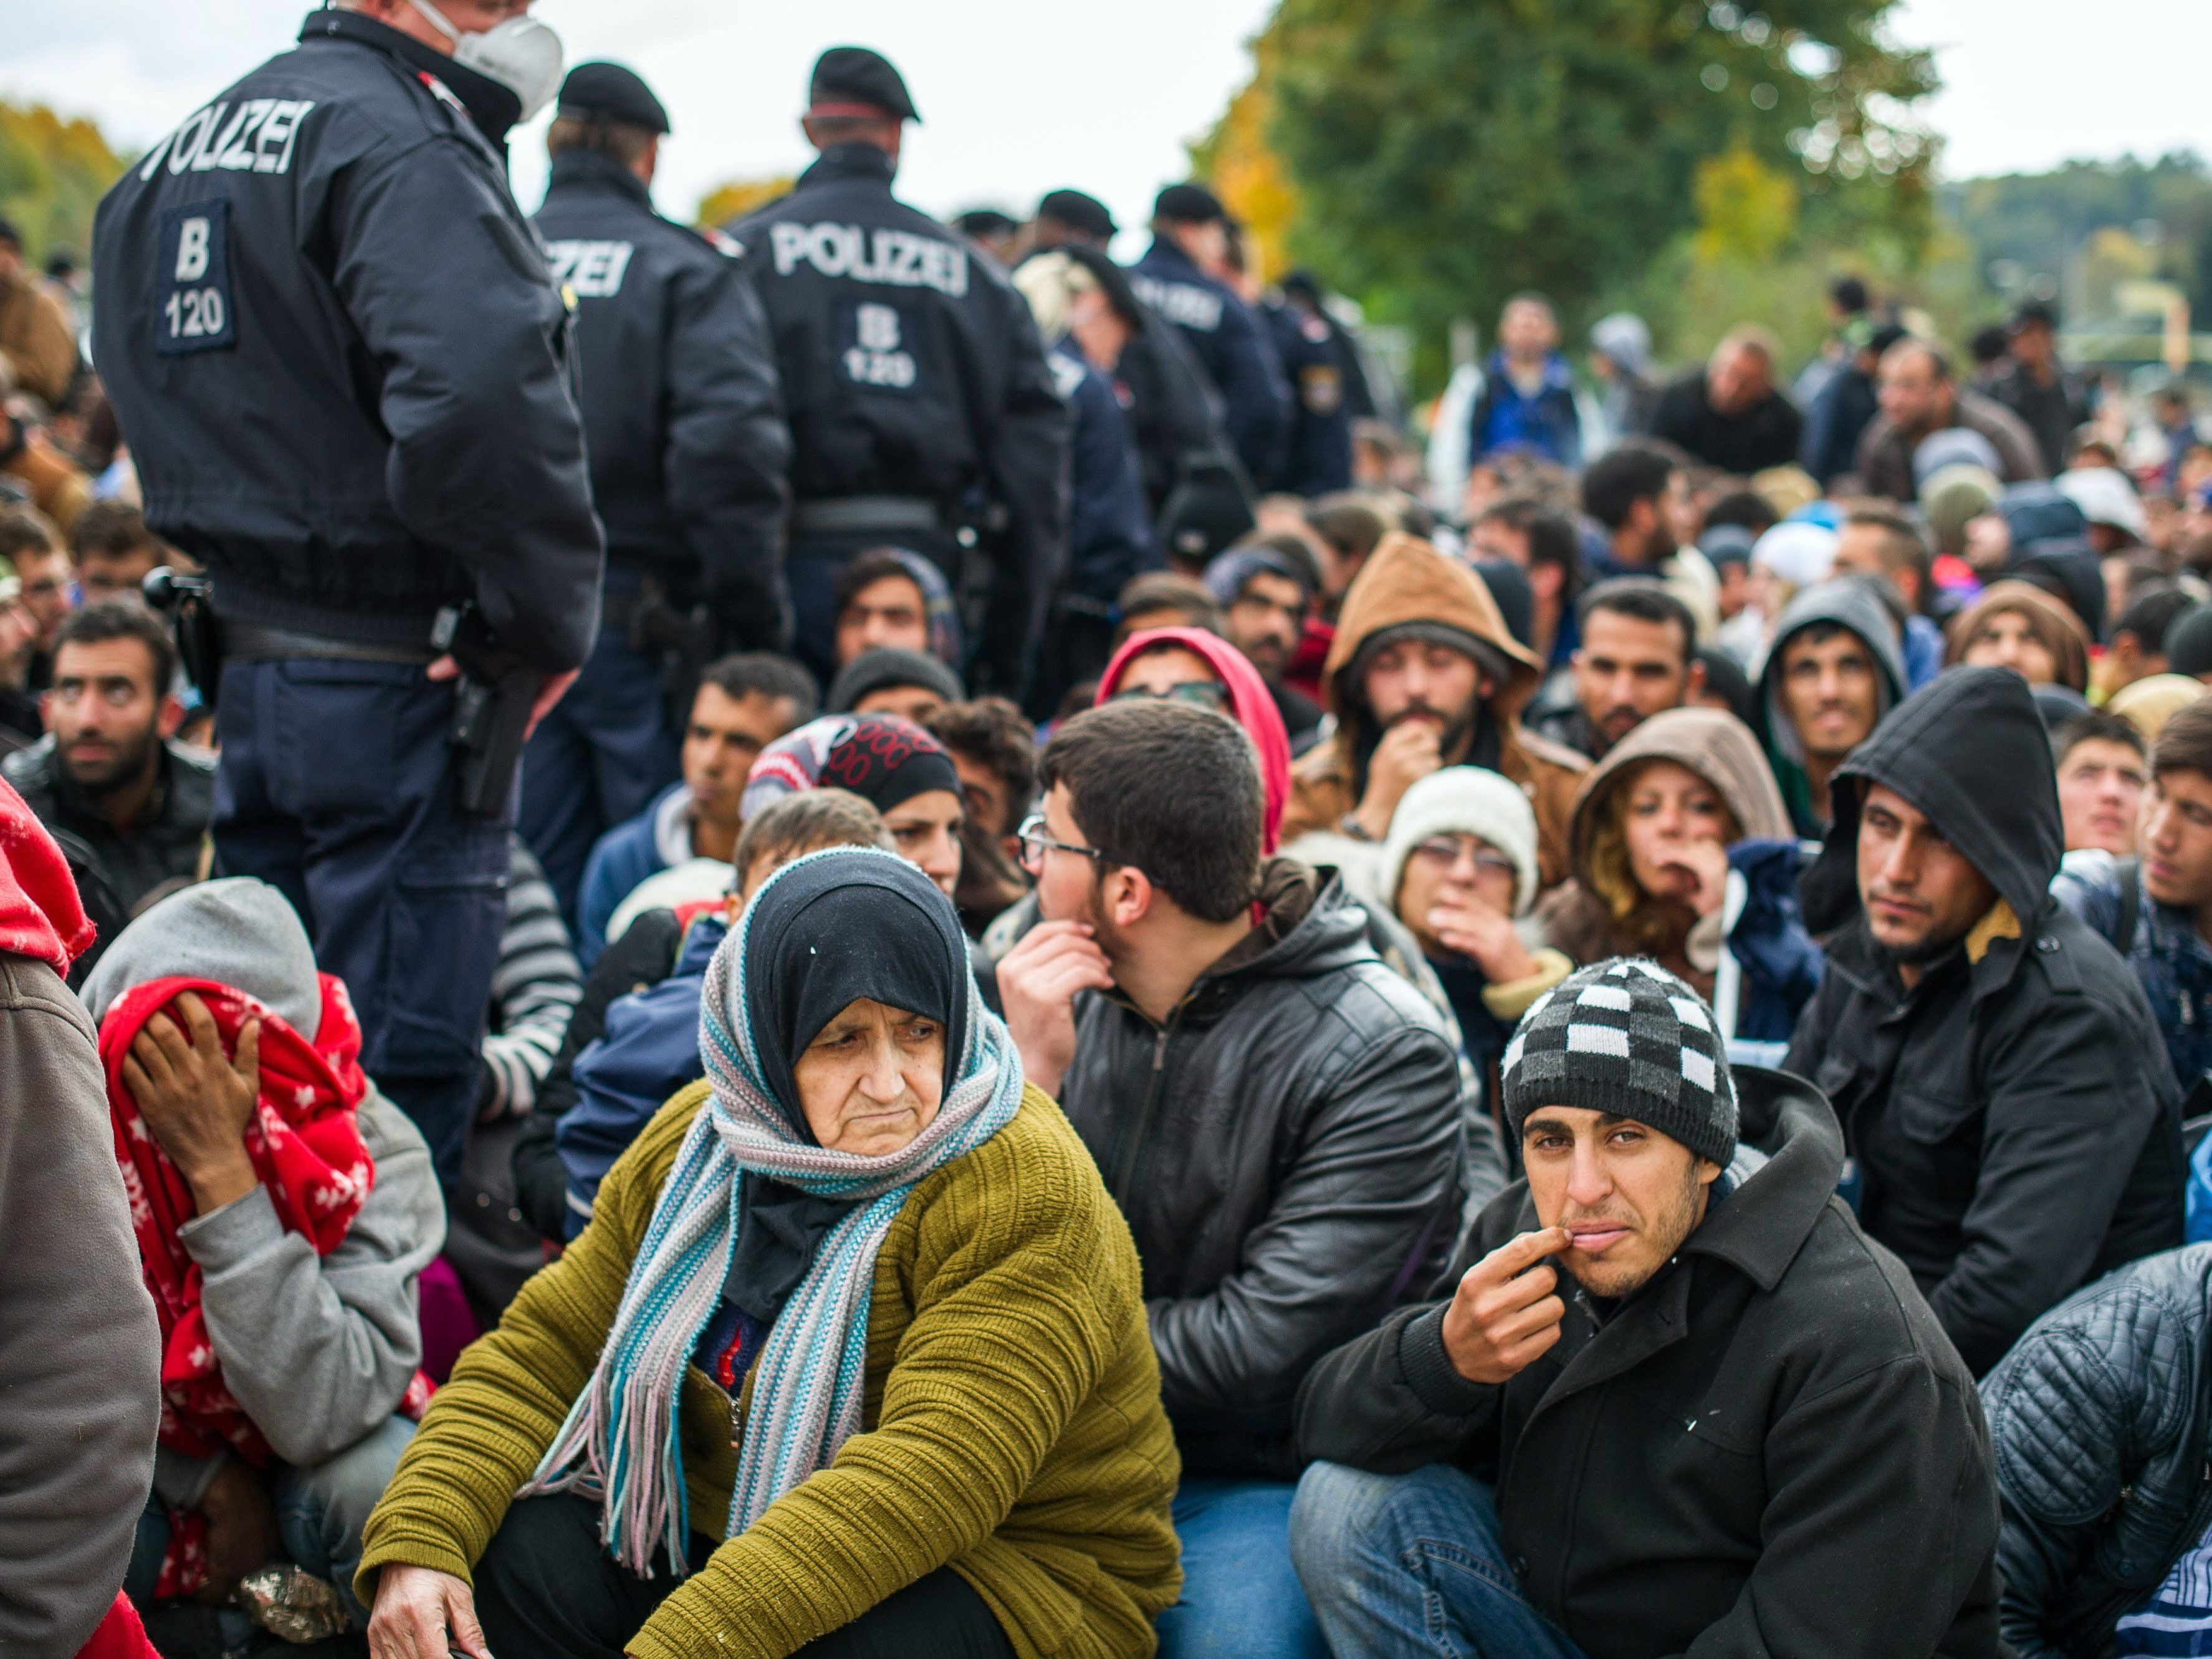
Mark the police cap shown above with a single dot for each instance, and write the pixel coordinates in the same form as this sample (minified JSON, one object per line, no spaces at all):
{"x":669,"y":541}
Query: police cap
{"x":850,"y":79}
{"x":1078,"y":212}
{"x":1188,"y":204}
{"x":608,"y":92}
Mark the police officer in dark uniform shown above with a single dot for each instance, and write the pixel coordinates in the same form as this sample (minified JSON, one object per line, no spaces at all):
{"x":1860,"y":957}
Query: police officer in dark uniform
{"x":922,"y":412}
{"x":334,"y":348}
{"x":1190,"y":238}
{"x":690,"y":458}
{"x":1328,"y":389}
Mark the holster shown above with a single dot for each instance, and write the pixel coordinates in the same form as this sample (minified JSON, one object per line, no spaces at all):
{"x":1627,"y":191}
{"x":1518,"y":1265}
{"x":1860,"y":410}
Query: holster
{"x":491,"y":709}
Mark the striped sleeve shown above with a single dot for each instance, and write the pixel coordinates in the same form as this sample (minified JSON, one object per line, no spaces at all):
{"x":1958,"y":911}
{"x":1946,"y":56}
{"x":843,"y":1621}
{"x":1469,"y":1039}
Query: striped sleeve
{"x":535,"y":990}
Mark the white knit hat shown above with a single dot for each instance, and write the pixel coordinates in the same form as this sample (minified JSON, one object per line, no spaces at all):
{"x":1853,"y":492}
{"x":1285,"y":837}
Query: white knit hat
{"x":1465,"y":800}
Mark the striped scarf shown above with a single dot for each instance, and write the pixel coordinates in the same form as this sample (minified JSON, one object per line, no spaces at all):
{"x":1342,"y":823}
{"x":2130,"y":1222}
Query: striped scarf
{"x":620,"y":1444}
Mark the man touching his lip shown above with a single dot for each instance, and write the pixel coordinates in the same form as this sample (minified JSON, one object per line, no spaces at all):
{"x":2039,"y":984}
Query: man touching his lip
{"x":1674,"y":1398}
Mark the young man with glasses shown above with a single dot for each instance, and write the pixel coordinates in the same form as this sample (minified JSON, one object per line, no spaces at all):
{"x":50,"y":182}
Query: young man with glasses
{"x":1275,"y":1110}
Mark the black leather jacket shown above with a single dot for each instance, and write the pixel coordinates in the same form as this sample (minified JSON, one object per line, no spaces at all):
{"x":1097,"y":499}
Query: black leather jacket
{"x":1287,"y":1151}
{"x":2100,"y":1418}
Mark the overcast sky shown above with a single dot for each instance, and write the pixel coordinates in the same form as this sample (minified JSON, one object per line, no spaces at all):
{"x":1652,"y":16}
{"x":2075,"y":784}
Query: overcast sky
{"x":1018,"y":97}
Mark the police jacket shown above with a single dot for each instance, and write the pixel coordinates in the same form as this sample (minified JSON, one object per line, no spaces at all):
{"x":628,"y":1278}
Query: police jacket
{"x":1287,"y":1151}
{"x":334,"y":348}
{"x":1110,"y":531}
{"x":2013,"y":1114}
{"x":1175,"y":414}
{"x":689,"y":452}
{"x":1233,"y":348}
{"x":1317,"y":457}
{"x":2102,"y":1420}
{"x":1769,"y":1448}
{"x":912,"y":368}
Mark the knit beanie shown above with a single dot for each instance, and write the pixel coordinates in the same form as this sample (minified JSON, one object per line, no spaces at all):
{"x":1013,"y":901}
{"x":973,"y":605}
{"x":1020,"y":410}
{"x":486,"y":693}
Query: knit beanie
{"x":1464,"y":800}
{"x":888,"y":666}
{"x":1624,"y":1036}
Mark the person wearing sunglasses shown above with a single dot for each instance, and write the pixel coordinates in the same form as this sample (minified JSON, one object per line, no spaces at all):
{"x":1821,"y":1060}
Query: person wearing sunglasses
{"x":1458,"y":866}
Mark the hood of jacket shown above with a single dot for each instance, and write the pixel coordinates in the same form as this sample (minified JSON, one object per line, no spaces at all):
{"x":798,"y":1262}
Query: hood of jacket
{"x":236,"y":931}
{"x":1971,"y":752}
{"x":1309,"y":924}
{"x":1405,"y":580}
{"x":1847,"y":604}
{"x":2057,"y":628}
{"x":1716,"y":746}
{"x":1249,"y":705}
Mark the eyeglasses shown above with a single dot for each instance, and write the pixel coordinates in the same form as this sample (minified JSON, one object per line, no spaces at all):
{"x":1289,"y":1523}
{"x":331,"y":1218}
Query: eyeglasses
{"x":1035,"y":844}
{"x":1206,"y":694}
{"x":1445,"y":851}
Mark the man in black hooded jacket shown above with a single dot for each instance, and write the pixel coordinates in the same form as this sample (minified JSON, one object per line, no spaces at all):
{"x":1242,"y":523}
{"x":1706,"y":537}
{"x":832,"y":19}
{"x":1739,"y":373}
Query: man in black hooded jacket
{"x":2000,"y":1080}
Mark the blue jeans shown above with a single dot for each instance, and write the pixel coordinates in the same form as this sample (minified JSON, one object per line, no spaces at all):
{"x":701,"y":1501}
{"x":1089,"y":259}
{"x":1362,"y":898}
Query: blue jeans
{"x":596,"y":760}
{"x":1240,"y":1599}
{"x":321,"y":1513}
{"x":338,"y":787}
{"x":1410,"y":1566}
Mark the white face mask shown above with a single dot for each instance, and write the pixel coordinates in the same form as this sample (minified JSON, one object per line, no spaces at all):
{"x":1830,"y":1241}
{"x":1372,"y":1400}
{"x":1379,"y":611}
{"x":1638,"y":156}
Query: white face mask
{"x":522,"y":54}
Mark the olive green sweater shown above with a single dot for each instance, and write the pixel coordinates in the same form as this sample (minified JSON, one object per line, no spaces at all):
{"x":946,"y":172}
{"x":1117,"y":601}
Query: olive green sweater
{"x":1012,"y":1427}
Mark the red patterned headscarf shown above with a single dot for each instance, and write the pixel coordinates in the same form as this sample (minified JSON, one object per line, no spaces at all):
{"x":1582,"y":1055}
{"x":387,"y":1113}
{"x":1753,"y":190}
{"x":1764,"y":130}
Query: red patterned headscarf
{"x":882,"y":758}
{"x":40,"y":913}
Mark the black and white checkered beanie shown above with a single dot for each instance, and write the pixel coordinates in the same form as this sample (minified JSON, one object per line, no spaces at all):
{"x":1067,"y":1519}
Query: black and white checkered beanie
{"x":1626,"y":1036}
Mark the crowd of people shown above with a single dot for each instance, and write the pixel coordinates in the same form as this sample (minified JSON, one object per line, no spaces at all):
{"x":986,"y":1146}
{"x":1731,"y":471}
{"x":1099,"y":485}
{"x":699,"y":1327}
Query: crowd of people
{"x":1251,"y":1041}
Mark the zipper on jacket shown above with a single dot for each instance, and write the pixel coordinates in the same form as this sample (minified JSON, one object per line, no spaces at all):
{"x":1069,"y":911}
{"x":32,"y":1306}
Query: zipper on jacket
{"x":1129,"y":1170}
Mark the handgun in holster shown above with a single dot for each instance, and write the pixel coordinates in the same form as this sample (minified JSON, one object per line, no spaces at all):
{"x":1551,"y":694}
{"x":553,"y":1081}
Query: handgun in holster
{"x":491,"y":708}
{"x":188,"y":603}
{"x":681,"y":642}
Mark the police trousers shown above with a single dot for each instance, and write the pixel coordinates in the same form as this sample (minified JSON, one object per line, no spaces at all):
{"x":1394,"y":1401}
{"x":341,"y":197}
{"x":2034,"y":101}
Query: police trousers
{"x":338,"y":787}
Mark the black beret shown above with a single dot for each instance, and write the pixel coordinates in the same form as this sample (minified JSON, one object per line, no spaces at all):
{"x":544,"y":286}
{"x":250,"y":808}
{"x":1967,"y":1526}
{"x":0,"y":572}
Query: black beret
{"x":1188,"y":204}
{"x":1078,"y":212}
{"x":608,"y":92}
{"x":854,"y":74}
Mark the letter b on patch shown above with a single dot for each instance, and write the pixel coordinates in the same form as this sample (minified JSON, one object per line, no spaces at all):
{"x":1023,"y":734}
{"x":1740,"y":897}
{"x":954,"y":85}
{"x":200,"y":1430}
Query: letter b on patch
{"x":193,"y":311}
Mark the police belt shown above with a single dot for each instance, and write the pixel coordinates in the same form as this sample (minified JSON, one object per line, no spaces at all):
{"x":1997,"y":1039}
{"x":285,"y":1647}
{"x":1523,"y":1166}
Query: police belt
{"x":252,"y":643}
{"x":864,"y":515}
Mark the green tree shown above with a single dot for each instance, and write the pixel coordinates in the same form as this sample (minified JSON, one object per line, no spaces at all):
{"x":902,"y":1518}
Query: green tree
{"x":1449,"y":152}
{"x":53,"y":173}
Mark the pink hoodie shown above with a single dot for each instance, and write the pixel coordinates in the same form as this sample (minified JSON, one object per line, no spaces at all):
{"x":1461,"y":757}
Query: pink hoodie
{"x":1249,"y":705}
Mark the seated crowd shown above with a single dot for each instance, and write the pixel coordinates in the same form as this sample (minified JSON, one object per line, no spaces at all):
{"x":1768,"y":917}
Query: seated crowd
{"x":1623,"y":1077}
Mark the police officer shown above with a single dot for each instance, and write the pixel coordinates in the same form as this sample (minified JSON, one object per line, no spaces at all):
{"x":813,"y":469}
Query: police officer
{"x":1328,"y":389}
{"x":341,"y":367}
{"x":1176,"y":277}
{"x":922,"y":412}
{"x":690,"y":458}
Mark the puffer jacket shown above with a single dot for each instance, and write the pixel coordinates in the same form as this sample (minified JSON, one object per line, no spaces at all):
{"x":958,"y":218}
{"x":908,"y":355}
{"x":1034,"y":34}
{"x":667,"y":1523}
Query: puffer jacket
{"x":2015,"y":1120}
{"x":1286,"y":1149}
{"x":1406,"y":581}
{"x":2102,"y":1420}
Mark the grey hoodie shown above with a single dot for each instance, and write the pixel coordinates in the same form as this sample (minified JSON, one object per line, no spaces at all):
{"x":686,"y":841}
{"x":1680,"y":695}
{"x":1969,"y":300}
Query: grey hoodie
{"x":1847,"y":604}
{"x":317,"y":1349}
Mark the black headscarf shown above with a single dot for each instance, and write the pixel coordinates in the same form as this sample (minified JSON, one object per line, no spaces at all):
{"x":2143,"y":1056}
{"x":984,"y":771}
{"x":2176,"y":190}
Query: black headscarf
{"x":824,"y":932}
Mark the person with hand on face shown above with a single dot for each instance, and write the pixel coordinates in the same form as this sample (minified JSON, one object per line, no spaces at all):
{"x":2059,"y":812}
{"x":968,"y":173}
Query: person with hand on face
{"x":1422,"y":674}
{"x":1683,"y":854}
{"x":284,"y":1210}
{"x":1277,"y":1112}
{"x":1636,"y":656}
{"x":1460,"y":866}
{"x":1669,"y":1396}
{"x":109,"y":771}
{"x":744,"y":704}
{"x":1997,"y":1069}
{"x":812,"y":1278}
{"x":890,"y":681}
{"x":2101,"y":777}
{"x":1831,"y":671}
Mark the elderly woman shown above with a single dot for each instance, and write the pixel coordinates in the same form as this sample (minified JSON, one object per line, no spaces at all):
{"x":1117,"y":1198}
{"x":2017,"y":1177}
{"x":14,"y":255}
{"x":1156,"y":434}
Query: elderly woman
{"x":1682,"y":852}
{"x":852,"y":1358}
{"x":2017,"y":625}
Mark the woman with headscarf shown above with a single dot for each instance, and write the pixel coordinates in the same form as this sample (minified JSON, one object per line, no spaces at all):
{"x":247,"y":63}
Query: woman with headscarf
{"x":1683,"y":853}
{"x":852,"y":1359}
{"x":889,"y":762}
{"x":2017,"y":625}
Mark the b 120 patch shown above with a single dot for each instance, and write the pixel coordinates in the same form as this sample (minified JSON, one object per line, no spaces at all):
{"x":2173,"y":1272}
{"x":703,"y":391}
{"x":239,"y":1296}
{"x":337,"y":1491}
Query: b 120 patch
{"x":196,"y":312}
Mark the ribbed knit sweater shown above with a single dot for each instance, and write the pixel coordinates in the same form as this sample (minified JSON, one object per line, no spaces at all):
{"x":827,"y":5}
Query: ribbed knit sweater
{"x":1012,"y":1427}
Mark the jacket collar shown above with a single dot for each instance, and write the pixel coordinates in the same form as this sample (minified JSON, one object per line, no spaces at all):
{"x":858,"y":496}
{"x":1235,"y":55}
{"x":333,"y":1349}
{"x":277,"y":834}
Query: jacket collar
{"x":1164,"y":251}
{"x":492,"y":107}
{"x":77,"y":803}
{"x":842,"y":162}
{"x":587,"y":169}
